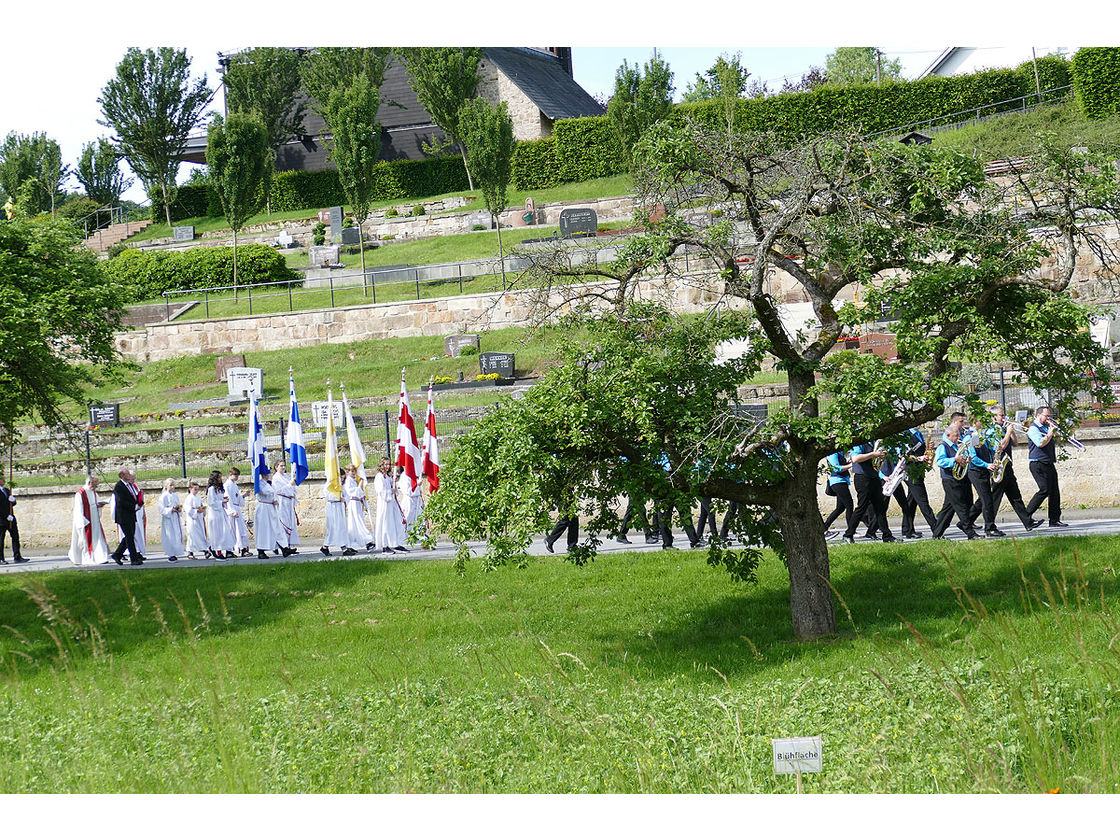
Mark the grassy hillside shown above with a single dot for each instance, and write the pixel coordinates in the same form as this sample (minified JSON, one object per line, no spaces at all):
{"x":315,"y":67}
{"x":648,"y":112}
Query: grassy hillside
{"x":959,"y":668}
{"x":1013,"y":135}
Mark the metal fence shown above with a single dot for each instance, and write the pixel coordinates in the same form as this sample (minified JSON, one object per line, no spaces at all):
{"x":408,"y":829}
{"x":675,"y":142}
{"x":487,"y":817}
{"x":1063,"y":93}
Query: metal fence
{"x":958,"y":119}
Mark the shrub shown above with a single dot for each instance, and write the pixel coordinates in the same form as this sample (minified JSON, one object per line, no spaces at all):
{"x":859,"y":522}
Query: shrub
{"x":117,"y":248}
{"x":348,"y":222}
{"x":1096,"y":81}
{"x":468,"y":350}
{"x":391,"y":213}
{"x":319,"y":233}
{"x":147,"y":274}
{"x":533,"y":166}
{"x":479,"y":227}
{"x":586,"y":148}
{"x":418,"y":210}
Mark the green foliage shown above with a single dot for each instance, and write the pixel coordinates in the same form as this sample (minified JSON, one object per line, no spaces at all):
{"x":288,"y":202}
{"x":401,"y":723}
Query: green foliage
{"x":392,"y":213}
{"x":328,"y":69}
{"x":351,"y":113}
{"x":533,"y":165}
{"x":75,"y":209}
{"x":319,"y":233}
{"x":31,"y":170}
{"x":586,"y":148}
{"x":266,"y":81}
{"x":641,"y":98}
{"x":444,"y":79}
{"x":100,"y":174}
{"x":58,"y":312}
{"x":418,"y":210}
{"x":237,"y":157}
{"x":848,"y":66}
{"x":142,"y":275}
{"x":1096,"y":80}
{"x":487,"y":133}
{"x":152,"y":107}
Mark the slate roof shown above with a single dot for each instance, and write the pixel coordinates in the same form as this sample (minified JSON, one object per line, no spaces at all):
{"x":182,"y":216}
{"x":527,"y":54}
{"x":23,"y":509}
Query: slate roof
{"x":542,"y":78}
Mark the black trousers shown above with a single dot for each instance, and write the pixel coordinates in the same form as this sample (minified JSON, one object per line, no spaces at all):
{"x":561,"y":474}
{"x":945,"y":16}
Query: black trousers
{"x":869,"y":495}
{"x":1046,"y":475}
{"x":569,"y":524}
{"x":633,"y":511}
{"x":1008,"y":487}
{"x":981,"y":481}
{"x":128,"y":543}
{"x":13,"y":529}
{"x":958,"y":499}
{"x":707,"y":518}
{"x":844,"y":505}
{"x":664,"y":525}
{"x":918,"y":499}
{"x":733,"y":509}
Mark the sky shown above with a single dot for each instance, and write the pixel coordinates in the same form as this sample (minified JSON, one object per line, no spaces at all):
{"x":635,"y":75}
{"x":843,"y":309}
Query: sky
{"x":52,"y":76}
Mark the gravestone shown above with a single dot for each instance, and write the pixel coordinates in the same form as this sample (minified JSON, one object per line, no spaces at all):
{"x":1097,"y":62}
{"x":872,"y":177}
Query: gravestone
{"x":224,"y":363}
{"x":184,"y":233}
{"x":319,"y":414}
{"x":350,"y":236}
{"x":319,"y":255}
{"x":578,"y":221}
{"x":336,"y":224}
{"x":499,"y":363}
{"x":245,"y":381}
{"x":105,"y":415}
{"x":454,"y":344}
{"x":753,"y":411}
{"x":325,"y":216}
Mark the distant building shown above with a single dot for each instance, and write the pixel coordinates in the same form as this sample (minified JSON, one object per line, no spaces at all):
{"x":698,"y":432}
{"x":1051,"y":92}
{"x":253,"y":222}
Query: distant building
{"x":536,"y":83}
{"x":959,"y":61}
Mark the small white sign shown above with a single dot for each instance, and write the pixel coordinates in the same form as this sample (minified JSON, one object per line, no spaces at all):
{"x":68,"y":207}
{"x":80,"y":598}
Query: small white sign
{"x":319,"y":414}
{"x":245,"y":380}
{"x":797,"y":755}
{"x":272,"y":441}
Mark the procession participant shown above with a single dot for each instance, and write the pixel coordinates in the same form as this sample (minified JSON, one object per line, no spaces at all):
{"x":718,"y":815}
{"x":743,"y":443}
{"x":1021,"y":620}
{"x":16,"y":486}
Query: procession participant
{"x":401,"y":526}
{"x":1007,"y":486}
{"x":171,"y":526}
{"x":128,"y":512}
{"x":388,"y":523}
{"x":354,"y":495}
{"x":286,"y":509}
{"x":337,"y":532}
{"x":890,"y":462}
{"x":412,"y":500}
{"x":235,"y":507}
{"x":87,"y":538}
{"x":915,"y":481}
{"x":663,"y":516}
{"x":268,"y":529}
{"x":196,"y":524}
{"x":983,"y":464}
{"x":218,"y":529}
{"x":8,"y":523}
{"x":958,"y":492}
{"x":634,"y":510}
{"x":1043,"y":460}
{"x":869,"y":492}
{"x":837,"y":484}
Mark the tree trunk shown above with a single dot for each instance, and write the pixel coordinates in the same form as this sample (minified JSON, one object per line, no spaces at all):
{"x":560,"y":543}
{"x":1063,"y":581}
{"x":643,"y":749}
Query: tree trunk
{"x":501,"y":256}
{"x":235,"y":265}
{"x":810,"y":594}
{"x":470,"y":181}
{"x":166,"y":205}
{"x":362,"y":252}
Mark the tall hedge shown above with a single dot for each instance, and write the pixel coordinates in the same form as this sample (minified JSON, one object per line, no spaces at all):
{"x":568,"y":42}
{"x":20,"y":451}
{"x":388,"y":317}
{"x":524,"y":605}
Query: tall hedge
{"x":586,"y":147}
{"x":1096,"y":80}
{"x":534,"y":164}
{"x":147,"y":274}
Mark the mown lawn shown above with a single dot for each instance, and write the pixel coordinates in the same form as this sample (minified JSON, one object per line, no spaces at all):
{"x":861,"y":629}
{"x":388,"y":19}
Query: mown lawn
{"x":958,"y":668}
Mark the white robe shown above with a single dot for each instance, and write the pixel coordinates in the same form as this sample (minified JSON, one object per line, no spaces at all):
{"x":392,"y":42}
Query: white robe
{"x":196,"y":524}
{"x":220,"y":537}
{"x":355,"y":498}
{"x":140,"y":534}
{"x":389,"y":522}
{"x":267,"y":521}
{"x":87,"y":540}
{"x":286,"y":510}
{"x":336,"y":520}
{"x":171,"y":526}
{"x":412,"y":500}
{"x":235,"y":507}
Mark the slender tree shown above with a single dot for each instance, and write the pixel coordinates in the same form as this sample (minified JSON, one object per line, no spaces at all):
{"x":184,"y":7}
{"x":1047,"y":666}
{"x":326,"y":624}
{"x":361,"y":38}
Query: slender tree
{"x":724,"y":82}
{"x":641,"y":98}
{"x":355,"y":146}
{"x":99,"y":172}
{"x":444,"y":80}
{"x":152,"y":106}
{"x":237,"y":158}
{"x":266,"y":81}
{"x":860,"y":66}
{"x":487,"y":133}
{"x":31,"y":170}
{"x":327,"y":69}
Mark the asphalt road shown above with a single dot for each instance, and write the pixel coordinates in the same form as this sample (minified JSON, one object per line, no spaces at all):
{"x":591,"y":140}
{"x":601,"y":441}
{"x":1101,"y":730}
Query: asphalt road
{"x":1104,"y":521}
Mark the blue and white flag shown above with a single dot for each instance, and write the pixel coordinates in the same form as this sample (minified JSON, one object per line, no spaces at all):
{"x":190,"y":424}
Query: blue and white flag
{"x":256,"y":445}
{"x":297,"y":452}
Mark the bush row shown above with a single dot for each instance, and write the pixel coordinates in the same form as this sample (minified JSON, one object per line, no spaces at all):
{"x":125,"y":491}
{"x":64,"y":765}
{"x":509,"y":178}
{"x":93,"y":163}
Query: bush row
{"x":147,"y":274}
{"x":1096,"y":81}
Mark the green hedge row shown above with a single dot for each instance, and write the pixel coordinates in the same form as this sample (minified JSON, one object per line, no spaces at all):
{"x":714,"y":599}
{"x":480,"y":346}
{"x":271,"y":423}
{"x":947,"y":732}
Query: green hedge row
{"x":297,"y":190}
{"x":1096,"y":80}
{"x":586,"y":148}
{"x":147,"y":274}
{"x":534,"y":164}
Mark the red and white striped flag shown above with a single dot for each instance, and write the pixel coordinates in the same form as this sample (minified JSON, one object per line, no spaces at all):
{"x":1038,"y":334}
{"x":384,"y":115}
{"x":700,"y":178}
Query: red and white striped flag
{"x":408,"y":450}
{"x":430,"y":461}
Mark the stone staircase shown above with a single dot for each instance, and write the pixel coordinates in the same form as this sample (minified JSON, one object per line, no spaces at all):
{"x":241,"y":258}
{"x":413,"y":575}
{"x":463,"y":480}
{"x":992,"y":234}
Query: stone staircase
{"x":101,"y":240}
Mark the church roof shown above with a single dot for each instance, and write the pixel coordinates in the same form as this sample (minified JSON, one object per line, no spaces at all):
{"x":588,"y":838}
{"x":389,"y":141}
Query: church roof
{"x":542,"y":78}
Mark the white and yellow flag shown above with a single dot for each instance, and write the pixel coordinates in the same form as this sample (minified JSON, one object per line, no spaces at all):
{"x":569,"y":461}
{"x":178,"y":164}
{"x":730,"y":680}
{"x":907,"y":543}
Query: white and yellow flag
{"x":334,"y":480}
{"x":357,"y":451}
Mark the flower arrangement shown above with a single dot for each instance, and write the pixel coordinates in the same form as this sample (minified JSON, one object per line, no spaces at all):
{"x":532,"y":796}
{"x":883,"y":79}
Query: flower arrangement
{"x":487,"y":377}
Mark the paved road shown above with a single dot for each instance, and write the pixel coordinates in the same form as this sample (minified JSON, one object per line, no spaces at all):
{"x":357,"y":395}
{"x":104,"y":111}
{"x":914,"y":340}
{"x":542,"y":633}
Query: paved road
{"x":1104,"y":521}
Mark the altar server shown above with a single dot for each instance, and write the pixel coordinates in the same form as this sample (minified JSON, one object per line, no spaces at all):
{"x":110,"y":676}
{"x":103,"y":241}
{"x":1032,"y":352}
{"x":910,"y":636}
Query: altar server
{"x":171,"y":526}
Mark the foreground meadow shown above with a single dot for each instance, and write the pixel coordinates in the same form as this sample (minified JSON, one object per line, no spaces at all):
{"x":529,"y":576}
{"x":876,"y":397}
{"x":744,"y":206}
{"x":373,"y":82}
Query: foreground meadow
{"x":975,"y":668}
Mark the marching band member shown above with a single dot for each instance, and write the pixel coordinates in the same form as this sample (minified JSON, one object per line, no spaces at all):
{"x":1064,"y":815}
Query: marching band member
{"x":869,"y":492}
{"x":1042,"y":458}
{"x":839,"y":481}
{"x":983,"y":464}
{"x":915,"y":480}
{"x":1002,"y":433}
{"x":958,"y":492}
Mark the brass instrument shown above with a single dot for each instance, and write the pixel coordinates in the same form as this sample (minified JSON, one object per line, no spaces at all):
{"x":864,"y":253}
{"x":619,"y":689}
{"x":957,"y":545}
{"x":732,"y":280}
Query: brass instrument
{"x":896,"y":476}
{"x":877,"y":461}
{"x":966,"y":448}
{"x":1001,"y":469}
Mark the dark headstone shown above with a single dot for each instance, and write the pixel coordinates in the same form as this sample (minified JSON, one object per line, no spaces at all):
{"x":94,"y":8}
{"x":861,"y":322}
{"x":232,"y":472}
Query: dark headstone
{"x":224,"y":363}
{"x":184,"y":233}
{"x":499,"y":363}
{"x":350,"y":236}
{"x":454,"y":344}
{"x":753,"y":411}
{"x":104,"y":415}
{"x":578,"y":221}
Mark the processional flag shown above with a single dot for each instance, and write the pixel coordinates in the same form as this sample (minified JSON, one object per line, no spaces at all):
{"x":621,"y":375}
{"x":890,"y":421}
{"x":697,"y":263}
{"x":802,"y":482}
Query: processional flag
{"x":256,"y":444}
{"x":297,"y":452}
{"x":334,"y":480}
{"x":430,"y":460}
{"x":357,"y":451}
{"x":408,"y":450}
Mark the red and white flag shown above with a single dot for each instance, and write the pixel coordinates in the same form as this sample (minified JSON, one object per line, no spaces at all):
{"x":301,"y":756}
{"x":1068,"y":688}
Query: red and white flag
{"x":408,"y":450}
{"x":430,"y":461}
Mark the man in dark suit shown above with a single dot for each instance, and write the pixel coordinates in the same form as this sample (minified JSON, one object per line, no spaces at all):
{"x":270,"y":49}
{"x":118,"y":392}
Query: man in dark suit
{"x":125,"y":493}
{"x":8,"y":524}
